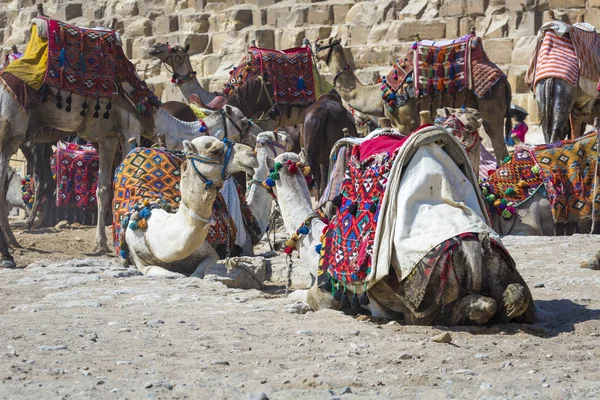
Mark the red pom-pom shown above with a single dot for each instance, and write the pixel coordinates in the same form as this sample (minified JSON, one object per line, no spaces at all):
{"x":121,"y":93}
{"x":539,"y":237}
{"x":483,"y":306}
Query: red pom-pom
{"x":173,"y":81}
{"x":293,"y":168}
{"x":490,"y":172}
{"x":288,"y":250}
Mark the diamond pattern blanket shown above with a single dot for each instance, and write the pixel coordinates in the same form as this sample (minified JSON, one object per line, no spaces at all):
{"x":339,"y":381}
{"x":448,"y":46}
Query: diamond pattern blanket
{"x":149,"y":177}
{"x":513,"y":183}
{"x":569,"y":170}
{"x":348,"y":243}
{"x":290,"y":71}
{"x":76,"y":171}
{"x":81,"y":60}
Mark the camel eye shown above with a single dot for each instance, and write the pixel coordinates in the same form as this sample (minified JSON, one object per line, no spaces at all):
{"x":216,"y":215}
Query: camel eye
{"x":217,"y":152}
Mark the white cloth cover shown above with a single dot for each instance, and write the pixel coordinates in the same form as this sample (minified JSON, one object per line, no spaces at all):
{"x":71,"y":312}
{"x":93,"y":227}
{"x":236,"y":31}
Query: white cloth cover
{"x":428,"y":200}
{"x":230,"y":194}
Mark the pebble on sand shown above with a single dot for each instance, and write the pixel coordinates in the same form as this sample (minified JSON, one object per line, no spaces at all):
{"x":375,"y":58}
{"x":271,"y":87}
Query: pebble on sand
{"x":442,"y":338}
{"x":220,"y":362}
{"x":258,"y":396}
{"x":53,"y":348}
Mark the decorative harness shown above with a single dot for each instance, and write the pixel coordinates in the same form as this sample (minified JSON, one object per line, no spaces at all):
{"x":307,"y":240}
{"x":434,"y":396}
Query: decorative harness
{"x":207,"y":160}
{"x":176,"y":78}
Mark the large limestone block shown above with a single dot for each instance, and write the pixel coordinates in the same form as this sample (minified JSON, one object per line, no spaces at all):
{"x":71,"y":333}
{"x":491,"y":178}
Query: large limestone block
{"x":265,"y":38}
{"x":499,"y":50}
{"x":498,"y":26}
{"x":340,"y":11}
{"x":405,"y":30}
{"x":320,"y":14}
{"x":294,"y":17}
{"x":127,"y":8}
{"x":525,"y":23}
{"x":196,"y":23}
{"x":359,"y":34}
{"x":370,"y":13}
{"x":452,"y":28}
{"x":414,"y":9}
{"x":465,"y":25}
{"x":567,"y":4}
{"x":379,"y":33}
{"x":17,"y":36}
{"x":67,"y":12}
{"x":239,"y":272}
{"x":317,"y":32}
{"x":593,"y":3}
{"x":516,"y":78}
{"x":519,"y":5}
{"x":165,"y":24}
{"x":93,"y":12}
{"x":240,"y":18}
{"x":454,"y":8}
{"x":523,"y":50}
{"x":592,"y":16}
{"x":291,"y":37}
{"x":230,"y":42}
{"x":137,"y":27}
{"x":141,"y":46}
{"x":477,"y":7}
{"x":272,"y":13}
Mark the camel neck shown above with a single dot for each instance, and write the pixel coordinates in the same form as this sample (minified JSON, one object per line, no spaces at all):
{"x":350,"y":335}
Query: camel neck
{"x":347,"y":80}
{"x":192,"y":86}
{"x":259,"y":199}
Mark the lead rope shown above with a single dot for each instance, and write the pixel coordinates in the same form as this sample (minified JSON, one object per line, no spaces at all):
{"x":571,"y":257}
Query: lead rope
{"x":290,"y":269}
{"x":595,"y":184}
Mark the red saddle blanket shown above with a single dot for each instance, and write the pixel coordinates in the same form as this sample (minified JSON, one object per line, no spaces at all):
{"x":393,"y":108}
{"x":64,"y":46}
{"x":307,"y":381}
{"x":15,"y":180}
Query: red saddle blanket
{"x":76,"y":170}
{"x":347,"y":248}
{"x":150,"y":175}
{"x":290,"y":71}
{"x":81,"y":60}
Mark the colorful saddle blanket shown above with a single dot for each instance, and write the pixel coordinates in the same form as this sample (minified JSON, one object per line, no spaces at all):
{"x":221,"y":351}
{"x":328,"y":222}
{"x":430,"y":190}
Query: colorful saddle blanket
{"x":348,"y":244}
{"x":513,"y":183}
{"x":569,"y":170}
{"x":568,"y":52}
{"x":81,"y":60}
{"x":76,"y":171}
{"x":442,"y":67}
{"x":149,"y":178}
{"x":290,"y":71}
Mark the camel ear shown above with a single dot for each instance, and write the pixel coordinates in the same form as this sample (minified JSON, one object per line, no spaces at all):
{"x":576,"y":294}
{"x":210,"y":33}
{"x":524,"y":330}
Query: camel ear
{"x":189,"y":147}
{"x":187,"y":47}
{"x":303,"y":156}
{"x":228,"y":110}
{"x":287,"y":140}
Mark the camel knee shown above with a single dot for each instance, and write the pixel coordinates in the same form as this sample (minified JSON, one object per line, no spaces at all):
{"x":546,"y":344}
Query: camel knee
{"x":516,"y":300}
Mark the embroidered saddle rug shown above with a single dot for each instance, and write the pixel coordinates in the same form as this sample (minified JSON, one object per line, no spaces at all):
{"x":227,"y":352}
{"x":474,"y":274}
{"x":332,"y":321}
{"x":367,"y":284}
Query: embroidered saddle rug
{"x":569,"y":170}
{"x":150,"y":177}
{"x":348,"y":244}
{"x":76,"y":171}
{"x":439,"y":67}
{"x":513,"y":183}
{"x":290,"y":71}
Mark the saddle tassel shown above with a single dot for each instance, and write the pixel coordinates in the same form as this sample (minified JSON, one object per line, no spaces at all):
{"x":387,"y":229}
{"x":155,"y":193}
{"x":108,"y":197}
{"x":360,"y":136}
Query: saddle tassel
{"x":441,"y":57}
{"x":452,"y":55}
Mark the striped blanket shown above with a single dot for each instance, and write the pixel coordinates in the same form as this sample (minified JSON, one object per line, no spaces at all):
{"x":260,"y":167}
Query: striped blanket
{"x":569,"y":52}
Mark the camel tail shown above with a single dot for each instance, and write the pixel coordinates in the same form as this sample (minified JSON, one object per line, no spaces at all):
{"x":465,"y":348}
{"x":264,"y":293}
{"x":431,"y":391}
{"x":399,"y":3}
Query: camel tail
{"x":507,"y":101}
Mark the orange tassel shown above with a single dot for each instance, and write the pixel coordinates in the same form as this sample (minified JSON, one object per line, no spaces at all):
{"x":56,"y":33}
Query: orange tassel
{"x":440,"y":85}
{"x":441,"y":57}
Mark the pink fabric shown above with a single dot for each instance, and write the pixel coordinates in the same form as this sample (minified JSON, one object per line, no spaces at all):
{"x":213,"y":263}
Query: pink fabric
{"x":487,"y":162}
{"x":217,"y":103}
{"x":520,"y":130}
{"x":380,"y":144}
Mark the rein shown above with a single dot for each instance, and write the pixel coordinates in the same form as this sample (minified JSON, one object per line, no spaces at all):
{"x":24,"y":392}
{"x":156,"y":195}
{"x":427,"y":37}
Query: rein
{"x":225,"y":117}
{"x":330,"y":47}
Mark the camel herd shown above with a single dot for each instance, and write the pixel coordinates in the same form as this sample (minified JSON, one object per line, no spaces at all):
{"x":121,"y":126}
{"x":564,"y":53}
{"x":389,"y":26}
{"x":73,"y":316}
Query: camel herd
{"x":433,"y":181}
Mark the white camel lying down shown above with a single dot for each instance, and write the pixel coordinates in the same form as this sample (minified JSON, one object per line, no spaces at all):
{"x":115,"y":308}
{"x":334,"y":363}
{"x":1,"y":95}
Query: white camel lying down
{"x":483,"y":284}
{"x":174,"y":244}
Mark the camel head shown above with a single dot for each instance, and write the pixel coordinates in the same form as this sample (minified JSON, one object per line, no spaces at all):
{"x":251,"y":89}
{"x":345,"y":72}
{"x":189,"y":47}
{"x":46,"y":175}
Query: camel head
{"x":467,"y":131}
{"x":272,"y":144}
{"x":209,"y":161}
{"x":324,"y":48}
{"x":172,"y":55}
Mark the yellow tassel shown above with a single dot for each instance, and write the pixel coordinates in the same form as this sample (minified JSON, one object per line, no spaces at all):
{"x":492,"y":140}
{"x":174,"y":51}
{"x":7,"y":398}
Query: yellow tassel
{"x":497,"y":203}
{"x":142,"y":224}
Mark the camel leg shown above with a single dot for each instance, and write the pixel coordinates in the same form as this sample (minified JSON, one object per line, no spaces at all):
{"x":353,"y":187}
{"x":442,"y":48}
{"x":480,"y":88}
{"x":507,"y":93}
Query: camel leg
{"x":473,"y":308}
{"x":5,"y":155}
{"x":492,"y":109}
{"x":106,"y":153}
{"x":210,"y":260}
{"x":154,"y":271}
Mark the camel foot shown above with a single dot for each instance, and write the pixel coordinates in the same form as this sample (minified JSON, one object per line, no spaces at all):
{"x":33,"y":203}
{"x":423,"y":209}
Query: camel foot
{"x":101,"y":249}
{"x":593,"y":263}
{"x":160,"y":272}
{"x":298,"y":295}
{"x":516,"y":300}
{"x":8,"y":263}
{"x":480,"y":309}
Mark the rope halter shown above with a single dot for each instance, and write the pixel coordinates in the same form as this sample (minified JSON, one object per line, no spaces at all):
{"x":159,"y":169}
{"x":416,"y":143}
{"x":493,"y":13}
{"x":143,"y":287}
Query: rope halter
{"x":211,"y":161}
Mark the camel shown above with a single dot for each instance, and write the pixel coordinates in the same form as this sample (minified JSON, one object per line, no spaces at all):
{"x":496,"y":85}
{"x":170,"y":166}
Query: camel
{"x":484,"y":287}
{"x":593,"y":263}
{"x":566,"y":102}
{"x":256,"y":103}
{"x":173,"y":244}
{"x":367,"y":98}
{"x":325,"y":122}
{"x":466,"y":130}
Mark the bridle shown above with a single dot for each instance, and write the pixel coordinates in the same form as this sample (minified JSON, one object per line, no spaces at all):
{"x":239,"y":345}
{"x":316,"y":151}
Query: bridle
{"x":226,"y":117}
{"x":263,"y":88}
{"x":330,"y":46}
{"x":176,"y":78}
{"x":212,"y":161}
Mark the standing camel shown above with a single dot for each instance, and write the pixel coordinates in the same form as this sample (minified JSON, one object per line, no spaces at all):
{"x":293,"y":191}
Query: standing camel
{"x":367,"y":99}
{"x":563,"y":74}
{"x":324,"y":124}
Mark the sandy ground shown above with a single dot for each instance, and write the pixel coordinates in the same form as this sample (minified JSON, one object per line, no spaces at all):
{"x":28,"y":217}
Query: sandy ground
{"x":90,"y":328}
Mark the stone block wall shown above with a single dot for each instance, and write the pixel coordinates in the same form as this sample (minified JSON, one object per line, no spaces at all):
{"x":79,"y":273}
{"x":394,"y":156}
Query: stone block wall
{"x":376,"y":32}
